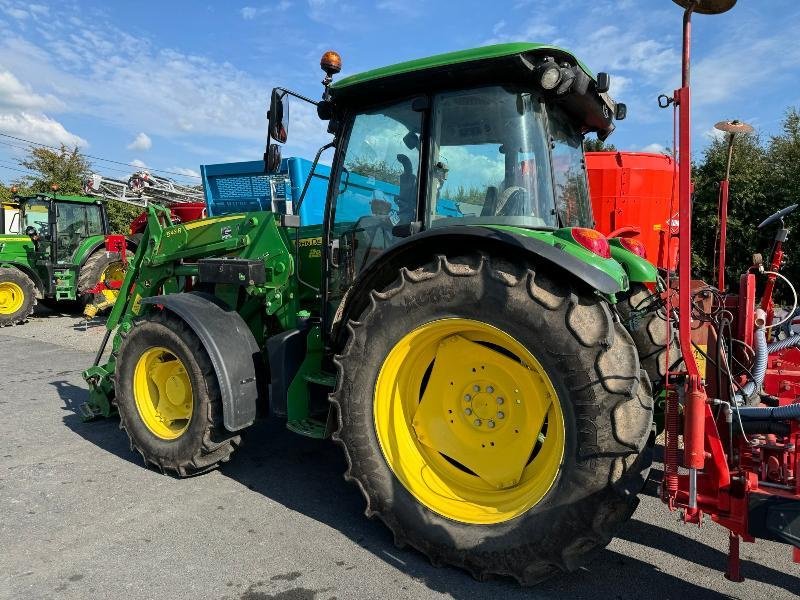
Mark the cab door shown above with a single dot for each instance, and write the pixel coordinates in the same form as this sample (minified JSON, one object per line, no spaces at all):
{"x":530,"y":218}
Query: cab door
{"x":375,"y":192}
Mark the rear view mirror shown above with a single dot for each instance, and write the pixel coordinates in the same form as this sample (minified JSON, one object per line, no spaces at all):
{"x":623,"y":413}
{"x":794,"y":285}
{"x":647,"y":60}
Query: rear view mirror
{"x":603,"y":82}
{"x":272,"y":158}
{"x":620,"y":111}
{"x":278,"y":117}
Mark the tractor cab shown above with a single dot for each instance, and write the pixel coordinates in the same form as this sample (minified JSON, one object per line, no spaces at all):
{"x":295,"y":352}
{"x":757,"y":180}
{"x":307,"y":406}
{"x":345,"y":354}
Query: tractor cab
{"x":490,"y":138}
{"x":60,"y":225}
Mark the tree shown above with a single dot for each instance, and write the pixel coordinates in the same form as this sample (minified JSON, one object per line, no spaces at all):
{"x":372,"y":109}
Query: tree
{"x":597,"y":145}
{"x":63,"y":167}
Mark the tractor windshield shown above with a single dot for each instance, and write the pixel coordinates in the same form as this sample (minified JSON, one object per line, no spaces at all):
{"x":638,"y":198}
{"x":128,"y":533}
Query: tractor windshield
{"x":490,"y":162}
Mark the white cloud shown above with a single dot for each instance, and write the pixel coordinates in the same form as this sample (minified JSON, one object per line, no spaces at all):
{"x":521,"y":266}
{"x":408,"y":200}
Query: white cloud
{"x":16,"y":95}
{"x":249,"y":13}
{"x":185,"y":171}
{"x":139,"y":164}
{"x":655,"y":148}
{"x":141,"y":142}
{"x":39,"y":128}
{"x":400,"y":8}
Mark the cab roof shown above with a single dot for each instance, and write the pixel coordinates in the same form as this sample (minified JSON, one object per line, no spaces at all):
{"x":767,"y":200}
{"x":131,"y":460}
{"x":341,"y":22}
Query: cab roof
{"x":438,"y":61}
{"x":64,"y":198}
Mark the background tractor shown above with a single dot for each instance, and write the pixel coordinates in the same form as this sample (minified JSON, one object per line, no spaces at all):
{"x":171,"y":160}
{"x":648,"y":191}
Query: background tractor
{"x":59,"y":254}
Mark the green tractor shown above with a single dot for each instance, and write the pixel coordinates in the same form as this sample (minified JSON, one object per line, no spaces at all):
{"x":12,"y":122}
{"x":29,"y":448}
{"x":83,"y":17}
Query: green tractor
{"x":452,"y":323}
{"x":58,"y":256}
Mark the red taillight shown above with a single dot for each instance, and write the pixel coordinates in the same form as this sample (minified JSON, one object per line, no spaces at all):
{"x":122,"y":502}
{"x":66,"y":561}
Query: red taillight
{"x":592,"y":240}
{"x":634,"y":245}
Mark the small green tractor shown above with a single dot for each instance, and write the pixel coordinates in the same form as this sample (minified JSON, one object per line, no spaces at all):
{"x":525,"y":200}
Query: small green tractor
{"x":452,"y":321}
{"x":59,"y":255}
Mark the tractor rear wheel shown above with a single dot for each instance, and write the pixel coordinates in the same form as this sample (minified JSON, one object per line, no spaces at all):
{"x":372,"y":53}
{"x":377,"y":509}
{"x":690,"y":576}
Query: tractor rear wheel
{"x":100,"y":267}
{"x":644,"y":317}
{"x":168,"y":398}
{"x":17,"y":296}
{"x":494,"y":419}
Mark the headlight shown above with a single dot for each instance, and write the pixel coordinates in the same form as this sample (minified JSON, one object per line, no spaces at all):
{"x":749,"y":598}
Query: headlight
{"x":550,"y":76}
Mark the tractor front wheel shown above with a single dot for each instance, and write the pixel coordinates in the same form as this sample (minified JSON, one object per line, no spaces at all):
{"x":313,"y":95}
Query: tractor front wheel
{"x":168,"y":398}
{"x":17,"y":296}
{"x":494,"y":419}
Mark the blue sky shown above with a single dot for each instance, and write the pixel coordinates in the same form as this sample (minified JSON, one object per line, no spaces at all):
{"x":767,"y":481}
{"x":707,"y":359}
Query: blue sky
{"x":176,"y":84}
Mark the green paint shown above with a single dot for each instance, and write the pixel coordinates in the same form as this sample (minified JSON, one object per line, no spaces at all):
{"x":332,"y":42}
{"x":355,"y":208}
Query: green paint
{"x":639,"y":269}
{"x":562,"y":239}
{"x":483,"y":53}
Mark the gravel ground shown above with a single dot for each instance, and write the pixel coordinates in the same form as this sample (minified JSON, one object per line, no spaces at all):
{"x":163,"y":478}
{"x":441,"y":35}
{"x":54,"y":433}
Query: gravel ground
{"x":82,"y":518}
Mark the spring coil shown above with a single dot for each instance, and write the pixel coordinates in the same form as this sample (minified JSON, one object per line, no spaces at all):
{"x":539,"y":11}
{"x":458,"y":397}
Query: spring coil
{"x":671,"y":421}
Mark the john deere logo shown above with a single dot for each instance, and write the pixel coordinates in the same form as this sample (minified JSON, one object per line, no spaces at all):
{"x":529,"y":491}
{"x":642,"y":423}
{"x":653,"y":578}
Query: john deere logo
{"x":225,"y":233}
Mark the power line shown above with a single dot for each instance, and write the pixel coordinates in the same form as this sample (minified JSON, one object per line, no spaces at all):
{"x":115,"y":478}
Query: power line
{"x":117,"y":162}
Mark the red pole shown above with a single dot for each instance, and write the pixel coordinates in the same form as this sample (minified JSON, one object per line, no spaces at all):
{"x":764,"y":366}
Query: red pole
{"x":695,"y":398}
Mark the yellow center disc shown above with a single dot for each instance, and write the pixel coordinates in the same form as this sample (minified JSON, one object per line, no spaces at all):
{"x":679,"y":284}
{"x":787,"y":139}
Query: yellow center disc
{"x":11,"y":298}
{"x":469,"y":421}
{"x":163,"y":393}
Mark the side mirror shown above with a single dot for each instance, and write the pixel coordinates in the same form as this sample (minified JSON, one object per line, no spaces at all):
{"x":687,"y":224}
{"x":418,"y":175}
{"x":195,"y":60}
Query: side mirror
{"x":278,"y":117}
{"x":272,"y":158}
{"x":30,"y":231}
{"x":620,"y":111}
{"x":603,"y":82}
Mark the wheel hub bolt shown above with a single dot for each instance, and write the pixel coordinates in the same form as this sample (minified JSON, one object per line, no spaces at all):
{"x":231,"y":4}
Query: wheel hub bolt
{"x":490,"y":423}
{"x":467,"y":411}
{"x":501,"y":414}
{"x":476,"y":388}
{"x":500,"y":400}
{"x":477,"y":422}
{"x":490,"y":390}
{"x":468,"y":398}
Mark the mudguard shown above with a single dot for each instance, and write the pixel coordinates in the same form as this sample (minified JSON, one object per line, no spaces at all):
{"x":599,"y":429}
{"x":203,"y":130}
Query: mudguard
{"x":231,"y":347}
{"x":418,"y":248}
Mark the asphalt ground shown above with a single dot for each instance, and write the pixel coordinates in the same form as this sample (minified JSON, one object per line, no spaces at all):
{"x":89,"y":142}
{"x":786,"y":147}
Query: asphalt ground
{"x":82,"y":518}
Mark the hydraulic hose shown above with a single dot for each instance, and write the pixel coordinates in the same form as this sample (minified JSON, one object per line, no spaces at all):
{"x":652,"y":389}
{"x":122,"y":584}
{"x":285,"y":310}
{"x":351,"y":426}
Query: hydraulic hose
{"x":770,"y":413}
{"x":759,"y":363}
{"x":783,"y":344}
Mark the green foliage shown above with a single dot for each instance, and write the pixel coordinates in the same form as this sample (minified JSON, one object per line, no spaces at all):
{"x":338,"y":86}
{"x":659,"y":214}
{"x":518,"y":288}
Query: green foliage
{"x":120,"y":216}
{"x":596,"y":145}
{"x":764,"y":178}
{"x":380,"y":170}
{"x":472,"y":195}
{"x":63,"y":167}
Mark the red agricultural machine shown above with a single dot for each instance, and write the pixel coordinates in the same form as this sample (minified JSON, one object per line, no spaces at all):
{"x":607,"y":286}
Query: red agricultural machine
{"x":731,"y":404}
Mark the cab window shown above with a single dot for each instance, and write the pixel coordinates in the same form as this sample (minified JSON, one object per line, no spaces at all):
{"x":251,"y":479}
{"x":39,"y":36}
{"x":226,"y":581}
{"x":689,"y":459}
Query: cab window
{"x":94,"y":220}
{"x":377,"y":185}
{"x":70,"y":228}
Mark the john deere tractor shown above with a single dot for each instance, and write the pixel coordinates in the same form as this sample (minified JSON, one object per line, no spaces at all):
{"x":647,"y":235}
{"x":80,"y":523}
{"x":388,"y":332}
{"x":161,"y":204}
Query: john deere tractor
{"x":58,"y":256}
{"x":451,"y":324}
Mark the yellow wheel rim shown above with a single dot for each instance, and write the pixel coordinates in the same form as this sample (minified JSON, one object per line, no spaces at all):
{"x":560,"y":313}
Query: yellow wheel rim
{"x":469,"y":421}
{"x":113,"y":272}
{"x":163,"y":393}
{"x":11,"y":297}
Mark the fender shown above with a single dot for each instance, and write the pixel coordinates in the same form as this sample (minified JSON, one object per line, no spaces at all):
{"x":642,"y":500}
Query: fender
{"x":233,"y":351}
{"x":639,"y":269}
{"x":417,"y":249}
{"x":130,"y":243}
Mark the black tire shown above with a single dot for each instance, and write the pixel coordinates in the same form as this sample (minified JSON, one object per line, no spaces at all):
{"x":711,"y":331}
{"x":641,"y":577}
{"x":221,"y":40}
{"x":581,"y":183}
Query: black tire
{"x":91,"y":272}
{"x":25,"y":283}
{"x":644,"y":318}
{"x":206,"y":443}
{"x":604,"y":396}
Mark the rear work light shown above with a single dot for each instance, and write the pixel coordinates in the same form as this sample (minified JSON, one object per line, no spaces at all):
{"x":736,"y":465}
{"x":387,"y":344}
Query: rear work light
{"x":634,"y":245}
{"x":592,"y":240}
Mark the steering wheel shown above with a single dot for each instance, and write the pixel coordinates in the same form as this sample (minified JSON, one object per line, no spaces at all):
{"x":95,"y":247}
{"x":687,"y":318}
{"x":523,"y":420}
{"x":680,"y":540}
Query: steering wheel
{"x":777,"y":216}
{"x":507,"y":194}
